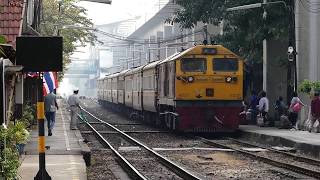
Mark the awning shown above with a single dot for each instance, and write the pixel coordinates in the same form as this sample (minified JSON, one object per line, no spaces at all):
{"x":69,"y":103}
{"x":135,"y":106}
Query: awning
{"x":7,"y":52}
{"x":9,"y":68}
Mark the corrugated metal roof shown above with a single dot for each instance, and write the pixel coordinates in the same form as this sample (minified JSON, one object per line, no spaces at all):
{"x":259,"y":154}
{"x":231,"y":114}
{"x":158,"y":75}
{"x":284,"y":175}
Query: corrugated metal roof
{"x":10,"y":19}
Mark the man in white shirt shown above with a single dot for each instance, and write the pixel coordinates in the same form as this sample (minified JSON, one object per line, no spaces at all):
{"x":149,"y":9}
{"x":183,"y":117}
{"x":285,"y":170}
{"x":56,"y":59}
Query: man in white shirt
{"x":74,"y":104}
{"x":263,"y":105}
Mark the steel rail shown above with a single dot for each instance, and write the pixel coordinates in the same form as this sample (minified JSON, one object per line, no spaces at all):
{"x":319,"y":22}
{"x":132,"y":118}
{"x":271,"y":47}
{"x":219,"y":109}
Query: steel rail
{"x":300,"y":158}
{"x":127,"y":124}
{"x":174,"y":167}
{"x":280,"y":164}
{"x":129,"y":167}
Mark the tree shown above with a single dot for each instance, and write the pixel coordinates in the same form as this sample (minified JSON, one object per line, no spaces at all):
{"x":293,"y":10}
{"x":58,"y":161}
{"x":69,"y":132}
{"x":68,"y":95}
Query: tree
{"x":243,"y":30}
{"x":55,"y":16}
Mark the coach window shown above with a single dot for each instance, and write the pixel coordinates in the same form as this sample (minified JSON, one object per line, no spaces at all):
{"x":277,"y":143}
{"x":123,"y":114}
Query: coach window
{"x":225,"y":64}
{"x":193,"y":65}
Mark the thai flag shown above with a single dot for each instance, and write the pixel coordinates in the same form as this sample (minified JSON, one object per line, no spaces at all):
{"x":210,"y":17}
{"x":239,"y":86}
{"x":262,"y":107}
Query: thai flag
{"x":50,"y":82}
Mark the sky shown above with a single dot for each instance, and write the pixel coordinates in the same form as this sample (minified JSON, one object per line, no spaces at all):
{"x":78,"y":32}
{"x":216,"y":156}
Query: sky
{"x":104,"y":14}
{"x":119,"y":10}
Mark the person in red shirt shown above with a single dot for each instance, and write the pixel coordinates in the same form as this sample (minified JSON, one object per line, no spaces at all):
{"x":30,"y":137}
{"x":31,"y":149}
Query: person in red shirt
{"x":315,"y":109}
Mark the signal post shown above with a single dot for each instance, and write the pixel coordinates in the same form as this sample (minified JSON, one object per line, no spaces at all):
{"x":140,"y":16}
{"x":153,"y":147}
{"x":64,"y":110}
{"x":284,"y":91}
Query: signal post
{"x":42,"y":173}
{"x":44,"y":55}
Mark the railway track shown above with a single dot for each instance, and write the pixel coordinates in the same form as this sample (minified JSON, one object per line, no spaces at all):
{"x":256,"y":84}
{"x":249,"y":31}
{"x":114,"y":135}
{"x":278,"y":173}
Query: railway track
{"x":296,"y":157}
{"x":127,"y":165}
{"x":289,"y":161}
{"x":194,"y":154}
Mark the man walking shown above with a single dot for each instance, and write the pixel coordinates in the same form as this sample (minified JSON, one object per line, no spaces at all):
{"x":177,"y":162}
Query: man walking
{"x":50,"y":106}
{"x":73,"y":102}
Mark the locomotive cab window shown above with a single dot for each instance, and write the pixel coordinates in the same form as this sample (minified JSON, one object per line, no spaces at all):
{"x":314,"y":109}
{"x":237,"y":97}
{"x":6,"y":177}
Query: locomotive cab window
{"x":193,"y":65}
{"x":225,"y":64}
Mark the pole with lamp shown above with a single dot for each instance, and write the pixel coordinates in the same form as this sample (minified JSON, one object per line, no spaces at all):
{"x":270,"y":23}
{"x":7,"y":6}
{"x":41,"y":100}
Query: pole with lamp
{"x":291,"y":47}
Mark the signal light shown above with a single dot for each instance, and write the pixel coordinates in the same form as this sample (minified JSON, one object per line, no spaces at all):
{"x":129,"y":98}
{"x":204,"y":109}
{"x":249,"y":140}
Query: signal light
{"x":229,"y":79}
{"x":291,"y":53}
{"x":190,"y":79}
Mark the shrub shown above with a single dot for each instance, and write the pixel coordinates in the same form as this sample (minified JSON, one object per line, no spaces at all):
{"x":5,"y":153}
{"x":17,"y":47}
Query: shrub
{"x":308,"y":86}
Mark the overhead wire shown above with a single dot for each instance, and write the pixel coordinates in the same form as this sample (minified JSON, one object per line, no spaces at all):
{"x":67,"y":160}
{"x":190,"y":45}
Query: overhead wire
{"x":146,"y":41}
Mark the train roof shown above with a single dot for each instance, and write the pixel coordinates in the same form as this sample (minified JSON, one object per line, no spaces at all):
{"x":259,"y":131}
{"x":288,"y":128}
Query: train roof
{"x":114,"y":75}
{"x":196,"y":50}
{"x":154,"y":64}
{"x":135,"y":70}
{"x":121,"y":73}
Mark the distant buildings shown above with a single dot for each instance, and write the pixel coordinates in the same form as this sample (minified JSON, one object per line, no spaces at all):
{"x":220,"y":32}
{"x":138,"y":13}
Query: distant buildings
{"x":127,"y":47}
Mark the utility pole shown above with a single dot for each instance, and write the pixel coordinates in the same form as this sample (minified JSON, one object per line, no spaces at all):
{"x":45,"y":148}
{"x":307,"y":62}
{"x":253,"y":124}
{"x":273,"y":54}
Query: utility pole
{"x":149,"y":54}
{"x":158,"y":48}
{"x":133,"y":55}
{"x":265,"y":49}
{"x":264,"y":43}
{"x":2,"y":94}
{"x":259,"y":5}
{"x":291,"y":84}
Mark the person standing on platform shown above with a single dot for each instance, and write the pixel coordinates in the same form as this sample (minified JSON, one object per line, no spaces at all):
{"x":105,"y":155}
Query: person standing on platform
{"x":263,"y":105}
{"x":315,"y":110}
{"x":254,"y":101}
{"x":294,"y":108}
{"x":280,"y":106}
{"x":50,"y":106}
{"x":74,"y":104}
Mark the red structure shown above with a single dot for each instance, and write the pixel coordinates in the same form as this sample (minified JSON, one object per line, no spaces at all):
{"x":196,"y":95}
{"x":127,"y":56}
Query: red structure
{"x":11,"y":19}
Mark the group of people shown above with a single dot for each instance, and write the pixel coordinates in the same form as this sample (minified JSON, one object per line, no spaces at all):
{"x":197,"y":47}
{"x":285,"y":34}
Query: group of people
{"x":51,"y":106}
{"x":259,"y":108}
{"x":295,"y":107}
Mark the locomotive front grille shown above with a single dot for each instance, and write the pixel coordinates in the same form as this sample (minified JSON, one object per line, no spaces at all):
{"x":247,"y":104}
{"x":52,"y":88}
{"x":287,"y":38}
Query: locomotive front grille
{"x":209,"y":92}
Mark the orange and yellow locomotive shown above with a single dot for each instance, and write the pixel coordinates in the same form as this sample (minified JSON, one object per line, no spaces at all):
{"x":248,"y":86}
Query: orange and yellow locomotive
{"x":197,"y":90}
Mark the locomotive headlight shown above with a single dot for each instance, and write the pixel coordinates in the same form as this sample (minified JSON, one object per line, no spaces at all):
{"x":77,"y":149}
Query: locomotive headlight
{"x":190,"y":79}
{"x":228,"y":79}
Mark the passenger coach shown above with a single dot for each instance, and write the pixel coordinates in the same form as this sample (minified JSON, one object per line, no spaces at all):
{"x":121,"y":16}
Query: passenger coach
{"x":197,"y":90}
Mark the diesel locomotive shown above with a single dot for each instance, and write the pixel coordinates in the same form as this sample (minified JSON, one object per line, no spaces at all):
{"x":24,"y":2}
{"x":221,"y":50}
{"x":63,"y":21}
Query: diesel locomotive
{"x":197,"y":90}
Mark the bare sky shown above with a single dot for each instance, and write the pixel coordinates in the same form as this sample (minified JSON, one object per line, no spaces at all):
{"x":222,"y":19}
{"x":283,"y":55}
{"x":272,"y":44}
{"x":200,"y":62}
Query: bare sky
{"x":120,"y":10}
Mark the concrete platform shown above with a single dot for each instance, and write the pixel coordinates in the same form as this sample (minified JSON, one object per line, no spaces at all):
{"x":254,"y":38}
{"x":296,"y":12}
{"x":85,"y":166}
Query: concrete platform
{"x":65,"y":153}
{"x":302,"y":141}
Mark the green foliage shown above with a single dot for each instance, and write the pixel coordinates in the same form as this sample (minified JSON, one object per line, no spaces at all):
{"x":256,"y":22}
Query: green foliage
{"x":69,"y":14}
{"x":316,"y":86}
{"x":18,"y":132}
{"x":244,"y":30}
{"x":308,"y":86}
{"x":11,"y":136}
{"x":9,"y":157}
{"x":3,"y":39}
{"x":28,"y":114}
{"x":10,"y":163}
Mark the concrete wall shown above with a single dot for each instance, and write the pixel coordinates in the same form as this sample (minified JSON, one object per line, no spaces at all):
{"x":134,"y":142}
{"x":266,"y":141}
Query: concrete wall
{"x":276,"y":72}
{"x":308,"y":44}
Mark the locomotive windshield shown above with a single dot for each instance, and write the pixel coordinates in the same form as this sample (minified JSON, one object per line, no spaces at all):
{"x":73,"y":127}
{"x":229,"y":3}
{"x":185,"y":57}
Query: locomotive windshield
{"x":193,"y":65}
{"x":225,"y":64}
